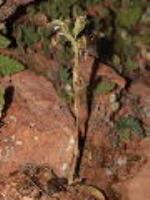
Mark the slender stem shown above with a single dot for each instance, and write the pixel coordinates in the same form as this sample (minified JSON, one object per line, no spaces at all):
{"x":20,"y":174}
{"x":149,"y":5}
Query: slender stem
{"x":76,"y":75}
{"x":77,"y":87}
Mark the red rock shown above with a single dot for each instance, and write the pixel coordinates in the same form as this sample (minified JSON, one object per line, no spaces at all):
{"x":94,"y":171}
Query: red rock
{"x":87,"y":67}
{"x":38,"y":127}
{"x":111,"y":74}
{"x":137,"y":188}
{"x":141,"y":88}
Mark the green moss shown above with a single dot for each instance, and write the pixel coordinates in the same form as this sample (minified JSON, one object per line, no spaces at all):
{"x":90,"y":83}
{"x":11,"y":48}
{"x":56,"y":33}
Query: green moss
{"x":104,"y":87}
{"x":131,"y":65}
{"x":129,"y":125}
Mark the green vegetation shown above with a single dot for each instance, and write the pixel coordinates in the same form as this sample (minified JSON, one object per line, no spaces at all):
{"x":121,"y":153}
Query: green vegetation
{"x":128,"y":125}
{"x":28,"y":35}
{"x":4,"y":41}
{"x":121,"y":26}
{"x":104,"y":87}
{"x":77,"y":45}
{"x":9,"y":66}
{"x":129,"y":14}
{"x":129,"y":31}
{"x":66,"y":92}
{"x":68,"y":8}
{"x":65,"y":75}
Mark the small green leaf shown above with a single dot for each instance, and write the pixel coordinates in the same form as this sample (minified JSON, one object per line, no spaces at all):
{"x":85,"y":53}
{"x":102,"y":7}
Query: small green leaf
{"x":9,"y":66}
{"x":105,"y":87}
{"x":65,"y":96}
{"x":129,"y":123}
{"x":129,"y":17}
{"x":131,"y":65}
{"x":65,"y":75}
{"x":30,"y":35}
{"x":4,"y":41}
{"x":92,"y":2}
{"x":44,"y":32}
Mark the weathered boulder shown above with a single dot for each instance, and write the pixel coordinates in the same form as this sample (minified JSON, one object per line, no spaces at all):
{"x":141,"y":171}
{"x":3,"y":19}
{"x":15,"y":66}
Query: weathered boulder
{"x":38,"y":127}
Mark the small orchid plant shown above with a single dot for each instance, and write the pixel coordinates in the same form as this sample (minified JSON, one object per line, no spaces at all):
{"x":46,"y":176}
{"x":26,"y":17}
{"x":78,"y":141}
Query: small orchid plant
{"x":78,"y":45}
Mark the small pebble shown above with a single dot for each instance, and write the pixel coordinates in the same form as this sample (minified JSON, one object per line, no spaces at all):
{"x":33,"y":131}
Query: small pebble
{"x":6,"y":140}
{"x":64,"y":167}
{"x":68,"y":87}
{"x":13,"y":118}
{"x":113,"y":98}
{"x":19,"y":143}
{"x":115,"y":106}
{"x":36,"y":138}
{"x":109,"y":172}
{"x":146,"y":111}
{"x":32,"y":125}
{"x":121,"y":161}
{"x":13,"y":137}
{"x":27,"y":198}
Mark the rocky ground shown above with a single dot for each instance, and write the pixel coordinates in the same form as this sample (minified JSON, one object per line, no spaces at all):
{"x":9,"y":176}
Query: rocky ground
{"x":38,"y":132}
{"x":39,"y":144}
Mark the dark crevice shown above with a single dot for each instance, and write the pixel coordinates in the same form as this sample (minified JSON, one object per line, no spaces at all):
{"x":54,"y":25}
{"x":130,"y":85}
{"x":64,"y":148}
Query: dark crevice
{"x":8,"y":97}
{"x":81,"y":145}
{"x":89,"y":96}
{"x":89,"y":92}
{"x":105,"y":49}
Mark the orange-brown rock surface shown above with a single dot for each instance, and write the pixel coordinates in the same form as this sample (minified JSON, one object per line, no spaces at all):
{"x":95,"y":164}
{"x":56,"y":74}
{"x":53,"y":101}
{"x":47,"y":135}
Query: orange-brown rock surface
{"x":38,"y":127}
{"x":138,"y":187}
